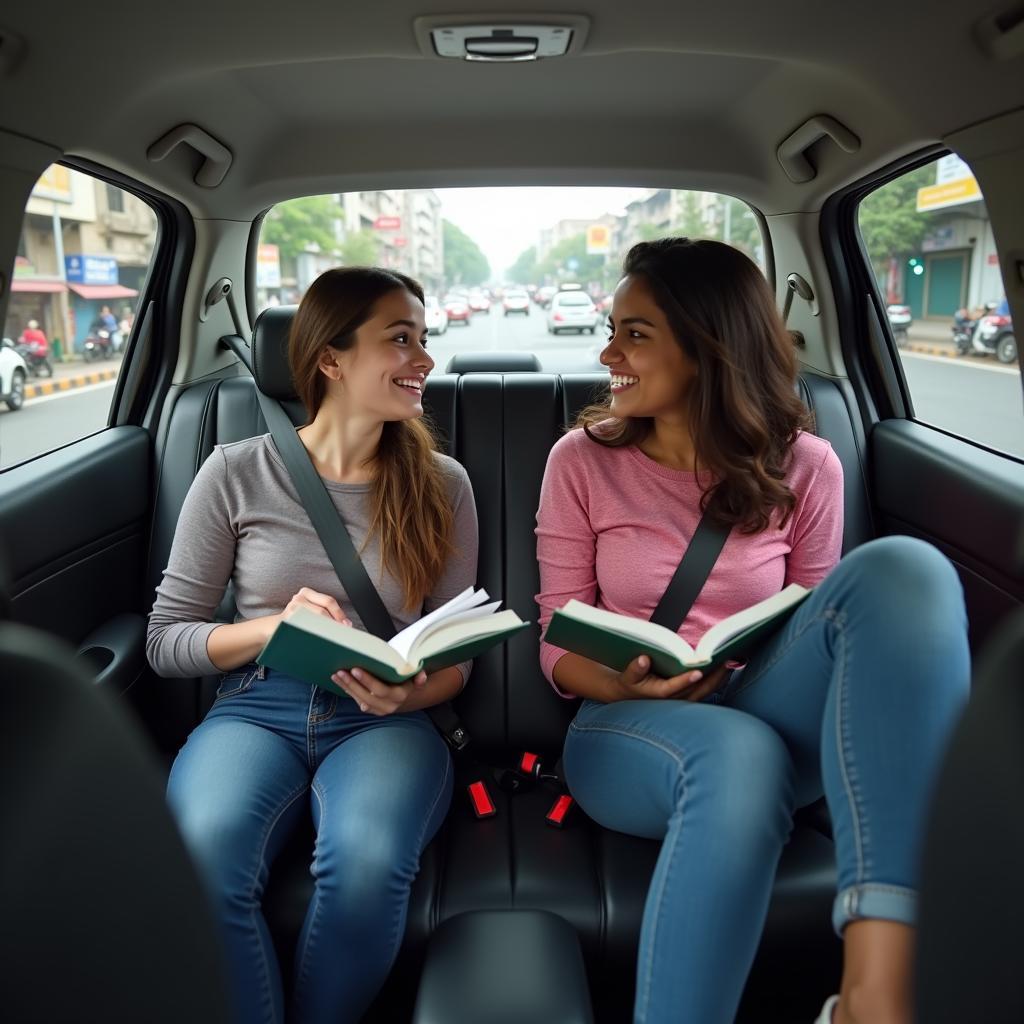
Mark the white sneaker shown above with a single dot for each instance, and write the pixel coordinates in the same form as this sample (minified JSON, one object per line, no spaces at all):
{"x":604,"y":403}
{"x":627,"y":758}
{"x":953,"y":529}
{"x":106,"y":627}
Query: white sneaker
{"x":825,"y":1017}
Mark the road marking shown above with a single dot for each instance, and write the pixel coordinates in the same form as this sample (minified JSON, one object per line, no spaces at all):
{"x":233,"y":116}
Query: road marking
{"x":962,"y":361}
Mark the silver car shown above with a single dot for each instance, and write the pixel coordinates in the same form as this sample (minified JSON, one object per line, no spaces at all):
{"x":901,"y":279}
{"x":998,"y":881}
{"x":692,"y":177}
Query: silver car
{"x":572,"y":311}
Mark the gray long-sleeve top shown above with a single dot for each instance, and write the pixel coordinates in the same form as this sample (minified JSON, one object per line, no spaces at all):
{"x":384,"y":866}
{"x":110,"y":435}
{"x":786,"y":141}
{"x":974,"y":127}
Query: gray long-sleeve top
{"x":242,"y":521}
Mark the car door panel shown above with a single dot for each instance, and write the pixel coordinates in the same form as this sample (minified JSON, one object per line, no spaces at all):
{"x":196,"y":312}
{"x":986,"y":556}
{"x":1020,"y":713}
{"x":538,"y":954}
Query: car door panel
{"x":74,"y":524}
{"x":967,"y":501}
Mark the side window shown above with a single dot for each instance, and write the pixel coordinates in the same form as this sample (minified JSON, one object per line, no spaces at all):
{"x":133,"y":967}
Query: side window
{"x":931,"y":247}
{"x":85,"y":250}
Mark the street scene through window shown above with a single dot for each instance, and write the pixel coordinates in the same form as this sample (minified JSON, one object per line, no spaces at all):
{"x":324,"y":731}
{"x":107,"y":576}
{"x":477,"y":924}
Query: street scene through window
{"x":83,"y":257}
{"x":504,"y":269}
{"x":931,"y":247}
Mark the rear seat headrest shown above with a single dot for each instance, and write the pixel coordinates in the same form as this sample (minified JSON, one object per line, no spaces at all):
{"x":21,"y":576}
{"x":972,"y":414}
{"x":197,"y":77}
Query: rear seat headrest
{"x":270,"y":352}
{"x":493,"y":362}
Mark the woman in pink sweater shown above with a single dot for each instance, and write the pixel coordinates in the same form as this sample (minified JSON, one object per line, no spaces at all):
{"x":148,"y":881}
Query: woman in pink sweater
{"x":854,"y":697}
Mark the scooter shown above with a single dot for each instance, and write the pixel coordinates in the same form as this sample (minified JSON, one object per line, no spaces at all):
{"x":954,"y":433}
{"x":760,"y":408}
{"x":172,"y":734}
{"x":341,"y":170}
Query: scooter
{"x":98,"y":345}
{"x":988,"y":334}
{"x":36,"y":356}
{"x":963,"y":330}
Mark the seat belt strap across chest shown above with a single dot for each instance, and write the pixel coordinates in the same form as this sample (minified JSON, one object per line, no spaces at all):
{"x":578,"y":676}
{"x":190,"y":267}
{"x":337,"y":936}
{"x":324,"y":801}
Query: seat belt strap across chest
{"x":692,"y":573}
{"x":337,"y":543}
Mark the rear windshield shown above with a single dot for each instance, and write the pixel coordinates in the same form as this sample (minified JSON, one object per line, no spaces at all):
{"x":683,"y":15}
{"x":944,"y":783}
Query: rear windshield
{"x":496,"y":242}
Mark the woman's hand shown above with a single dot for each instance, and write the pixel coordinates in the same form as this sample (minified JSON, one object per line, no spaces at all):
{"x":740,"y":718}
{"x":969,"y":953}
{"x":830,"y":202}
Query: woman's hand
{"x":321,"y":604}
{"x":636,"y":682}
{"x":375,"y":697}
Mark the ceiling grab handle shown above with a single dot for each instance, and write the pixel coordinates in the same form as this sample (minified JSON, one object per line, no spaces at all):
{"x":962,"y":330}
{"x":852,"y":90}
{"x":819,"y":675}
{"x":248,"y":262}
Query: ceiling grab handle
{"x":217,"y":156}
{"x":792,"y":151}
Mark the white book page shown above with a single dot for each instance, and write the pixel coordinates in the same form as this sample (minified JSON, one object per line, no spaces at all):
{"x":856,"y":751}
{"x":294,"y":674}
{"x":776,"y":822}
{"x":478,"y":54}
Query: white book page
{"x":348,"y":636}
{"x":723,"y":631}
{"x":404,"y":640}
{"x":485,"y":611}
{"x":637,"y":629}
{"x":455,"y":633}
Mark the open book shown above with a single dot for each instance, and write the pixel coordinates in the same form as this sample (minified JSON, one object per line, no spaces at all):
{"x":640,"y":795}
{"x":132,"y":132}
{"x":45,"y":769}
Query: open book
{"x":615,"y":640}
{"x":313,"y":647}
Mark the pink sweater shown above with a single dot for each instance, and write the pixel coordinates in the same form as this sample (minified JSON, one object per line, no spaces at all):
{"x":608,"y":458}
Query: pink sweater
{"x":613,"y":524}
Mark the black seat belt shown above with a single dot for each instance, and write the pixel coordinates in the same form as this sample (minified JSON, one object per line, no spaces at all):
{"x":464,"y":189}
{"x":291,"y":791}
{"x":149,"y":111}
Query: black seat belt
{"x":340,"y":550}
{"x":692,"y":573}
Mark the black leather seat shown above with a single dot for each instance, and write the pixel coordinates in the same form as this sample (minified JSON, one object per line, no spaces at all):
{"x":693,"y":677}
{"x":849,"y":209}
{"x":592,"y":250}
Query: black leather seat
{"x":972,"y":891}
{"x":103,"y":915}
{"x":500,"y":426}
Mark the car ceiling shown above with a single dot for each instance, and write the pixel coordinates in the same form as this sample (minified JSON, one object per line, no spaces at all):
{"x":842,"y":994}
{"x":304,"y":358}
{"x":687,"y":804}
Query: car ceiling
{"x":329,"y":96}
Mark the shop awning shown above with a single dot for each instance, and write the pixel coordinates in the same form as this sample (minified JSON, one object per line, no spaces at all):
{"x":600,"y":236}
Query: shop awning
{"x":20,"y":284}
{"x":103,"y":291}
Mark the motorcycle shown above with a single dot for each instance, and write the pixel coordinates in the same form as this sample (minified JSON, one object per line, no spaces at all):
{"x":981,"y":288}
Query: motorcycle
{"x":36,"y":356}
{"x":990,"y":332}
{"x":99,"y":345}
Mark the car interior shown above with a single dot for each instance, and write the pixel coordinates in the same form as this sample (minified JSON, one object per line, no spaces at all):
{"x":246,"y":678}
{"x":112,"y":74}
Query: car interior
{"x":214,"y":113}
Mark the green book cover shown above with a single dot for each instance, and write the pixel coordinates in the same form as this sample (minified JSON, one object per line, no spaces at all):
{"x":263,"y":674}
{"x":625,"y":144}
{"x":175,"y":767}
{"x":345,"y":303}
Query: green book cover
{"x":616,"y":649}
{"x":314,"y":659}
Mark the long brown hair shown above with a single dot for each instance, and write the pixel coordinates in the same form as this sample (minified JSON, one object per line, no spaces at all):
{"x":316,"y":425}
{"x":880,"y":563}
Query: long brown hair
{"x":743,"y":409}
{"x":410,"y":508}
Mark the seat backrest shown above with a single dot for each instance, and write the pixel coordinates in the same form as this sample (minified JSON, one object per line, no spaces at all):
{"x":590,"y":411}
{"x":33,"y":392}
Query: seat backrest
{"x":103,"y":914}
{"x":972,"y":894}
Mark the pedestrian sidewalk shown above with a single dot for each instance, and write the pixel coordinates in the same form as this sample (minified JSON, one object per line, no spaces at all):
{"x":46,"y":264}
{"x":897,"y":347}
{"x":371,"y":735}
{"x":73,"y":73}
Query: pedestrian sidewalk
{"x":74,"y":374}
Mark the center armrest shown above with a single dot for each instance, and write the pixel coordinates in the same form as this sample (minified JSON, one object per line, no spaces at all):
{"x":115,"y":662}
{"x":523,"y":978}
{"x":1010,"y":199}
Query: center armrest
{"x":504,"y":967}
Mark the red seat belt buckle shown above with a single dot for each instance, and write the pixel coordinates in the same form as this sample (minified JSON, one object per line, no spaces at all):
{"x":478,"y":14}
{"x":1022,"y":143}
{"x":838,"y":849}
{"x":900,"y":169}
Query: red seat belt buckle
{"x":529,"y":764}
{"x":559,"y":811}
{"x":483,"y":805}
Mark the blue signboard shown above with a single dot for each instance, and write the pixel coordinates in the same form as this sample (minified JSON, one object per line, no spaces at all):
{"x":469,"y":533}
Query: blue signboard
{"x":80,"y":269}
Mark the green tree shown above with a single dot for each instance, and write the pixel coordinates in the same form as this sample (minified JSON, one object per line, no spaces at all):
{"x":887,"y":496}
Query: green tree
{"x":556,"y":263}
{"x":690,"y":223}
{"x":733,"y":218}
{"x":889,"y":222}
{"x":360,"y":249}
{"x":464,"y":263}
{"x":524,"y":270}
{"x":303,"y":224}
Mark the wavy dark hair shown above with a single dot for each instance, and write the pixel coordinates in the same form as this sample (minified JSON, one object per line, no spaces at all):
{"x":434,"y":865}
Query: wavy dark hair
{"x":743,"y":408}
{"x":410,"y":508}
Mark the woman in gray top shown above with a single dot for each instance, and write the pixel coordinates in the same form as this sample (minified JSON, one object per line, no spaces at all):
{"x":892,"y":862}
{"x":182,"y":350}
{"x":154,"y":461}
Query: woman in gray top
{"x":373,"y":770}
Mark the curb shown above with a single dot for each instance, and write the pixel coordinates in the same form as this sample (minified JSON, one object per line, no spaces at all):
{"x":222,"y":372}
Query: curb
{"x":67,"y":383}
{"x":930,"y":350}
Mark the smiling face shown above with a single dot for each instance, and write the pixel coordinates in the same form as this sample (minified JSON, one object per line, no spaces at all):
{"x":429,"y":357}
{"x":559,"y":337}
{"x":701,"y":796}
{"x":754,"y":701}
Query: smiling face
{"x":382,"y":375}
{"x":651,"y":375}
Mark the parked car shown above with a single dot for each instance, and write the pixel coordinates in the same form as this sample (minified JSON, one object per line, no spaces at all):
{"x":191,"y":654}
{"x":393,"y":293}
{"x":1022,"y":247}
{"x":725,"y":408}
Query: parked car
{"x":572,"y":311}
{"x":437,"y":317}
{"x":13,"y":373}
{"x":515,"y":301}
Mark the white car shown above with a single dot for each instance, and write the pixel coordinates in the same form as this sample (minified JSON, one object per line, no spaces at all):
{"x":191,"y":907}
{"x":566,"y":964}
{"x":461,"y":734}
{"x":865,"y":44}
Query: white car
{"x":515,"y":301}
{"x":13,"y":372}
{"x":572,"y":311}
{"x":437,"y":317}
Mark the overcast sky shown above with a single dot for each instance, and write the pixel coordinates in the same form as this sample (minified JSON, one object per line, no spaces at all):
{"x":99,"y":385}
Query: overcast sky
{"x":505,"y":221}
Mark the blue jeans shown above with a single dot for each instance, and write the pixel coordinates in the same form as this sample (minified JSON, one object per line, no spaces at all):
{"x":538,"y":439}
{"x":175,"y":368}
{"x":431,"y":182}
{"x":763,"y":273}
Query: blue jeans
{"x":378,"y":789}
{"x":854,"y":698}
